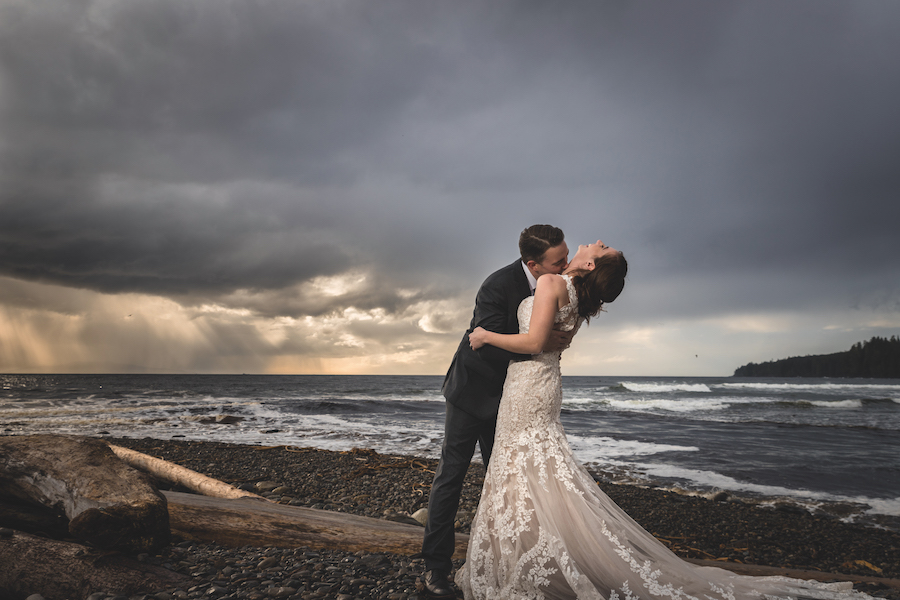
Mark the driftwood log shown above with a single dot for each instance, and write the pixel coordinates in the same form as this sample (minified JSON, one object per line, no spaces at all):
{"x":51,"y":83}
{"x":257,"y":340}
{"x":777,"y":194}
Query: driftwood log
{"x":56,"y":569}
{"x":31,"y":518}
{"x":108,"y":504}
{"x":248,"y":522}
{"x":172,"y":473}
{"x":233,"y":517}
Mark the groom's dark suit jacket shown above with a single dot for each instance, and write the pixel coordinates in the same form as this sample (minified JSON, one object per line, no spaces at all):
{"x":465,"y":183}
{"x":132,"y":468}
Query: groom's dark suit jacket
{"x":475,"y":379}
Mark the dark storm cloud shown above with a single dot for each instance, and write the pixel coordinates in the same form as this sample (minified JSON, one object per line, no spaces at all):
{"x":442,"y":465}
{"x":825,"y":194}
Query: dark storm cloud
{"x":137,"y":139}
{"x":199,"y":149}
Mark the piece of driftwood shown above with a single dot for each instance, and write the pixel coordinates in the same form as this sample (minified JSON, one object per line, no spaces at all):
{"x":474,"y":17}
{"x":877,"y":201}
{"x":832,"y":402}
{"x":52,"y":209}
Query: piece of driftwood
{"x":109,"y":504}
{"x":34,"y":519}
{"x":55,"y":569}
{"x":249,"y":522}
{"x":168,"y":471}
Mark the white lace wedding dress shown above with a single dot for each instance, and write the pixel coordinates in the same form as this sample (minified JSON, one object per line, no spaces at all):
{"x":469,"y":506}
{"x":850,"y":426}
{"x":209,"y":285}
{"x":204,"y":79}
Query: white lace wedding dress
{"x":545,"y":530}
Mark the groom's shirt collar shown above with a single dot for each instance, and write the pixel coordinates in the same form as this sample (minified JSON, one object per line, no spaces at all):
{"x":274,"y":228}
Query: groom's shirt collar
{"x":532,"y":282}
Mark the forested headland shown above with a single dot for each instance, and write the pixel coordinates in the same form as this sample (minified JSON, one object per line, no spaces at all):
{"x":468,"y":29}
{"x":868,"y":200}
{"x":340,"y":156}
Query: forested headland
{"x":877,"y":358}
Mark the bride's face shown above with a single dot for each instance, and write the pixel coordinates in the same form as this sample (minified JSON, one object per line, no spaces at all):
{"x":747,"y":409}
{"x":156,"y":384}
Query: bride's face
{"x":588,"y":254}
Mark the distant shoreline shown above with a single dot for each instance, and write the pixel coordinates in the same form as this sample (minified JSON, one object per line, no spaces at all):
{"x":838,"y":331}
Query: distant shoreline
{"x":877,"y":358}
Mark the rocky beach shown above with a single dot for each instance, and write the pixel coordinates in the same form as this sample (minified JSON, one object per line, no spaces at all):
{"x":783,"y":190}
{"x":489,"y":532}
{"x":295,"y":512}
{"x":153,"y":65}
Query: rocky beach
{"x":366,"y":483}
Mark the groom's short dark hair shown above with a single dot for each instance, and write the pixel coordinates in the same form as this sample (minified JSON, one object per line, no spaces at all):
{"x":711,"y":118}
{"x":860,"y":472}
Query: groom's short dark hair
{"x":537,"y":239}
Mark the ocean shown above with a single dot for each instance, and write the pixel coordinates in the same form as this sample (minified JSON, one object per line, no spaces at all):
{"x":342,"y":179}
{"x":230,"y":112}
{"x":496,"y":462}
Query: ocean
{"x":827,"y":445}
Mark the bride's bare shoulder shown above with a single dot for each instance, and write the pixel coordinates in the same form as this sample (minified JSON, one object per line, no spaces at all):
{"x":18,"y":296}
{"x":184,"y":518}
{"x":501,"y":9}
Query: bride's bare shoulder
{"x":555,"y":283}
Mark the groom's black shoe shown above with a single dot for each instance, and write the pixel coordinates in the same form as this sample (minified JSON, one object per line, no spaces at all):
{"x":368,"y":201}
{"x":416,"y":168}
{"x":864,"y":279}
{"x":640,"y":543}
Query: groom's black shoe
{"x":437,"y":586}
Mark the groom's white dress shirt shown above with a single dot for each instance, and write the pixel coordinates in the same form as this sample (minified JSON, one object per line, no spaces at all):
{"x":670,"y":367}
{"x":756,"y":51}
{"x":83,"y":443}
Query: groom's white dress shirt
{"x":532,"y":282}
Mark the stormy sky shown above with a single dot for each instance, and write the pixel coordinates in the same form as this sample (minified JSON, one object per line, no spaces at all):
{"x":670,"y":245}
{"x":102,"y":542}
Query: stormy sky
{"x":286,"y":186}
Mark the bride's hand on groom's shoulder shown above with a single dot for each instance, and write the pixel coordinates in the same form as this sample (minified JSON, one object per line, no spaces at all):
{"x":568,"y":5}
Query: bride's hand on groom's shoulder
{"x":477,"y":338}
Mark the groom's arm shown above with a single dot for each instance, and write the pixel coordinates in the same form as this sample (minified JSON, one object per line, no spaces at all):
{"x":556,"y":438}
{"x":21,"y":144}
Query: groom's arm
{"x":492,"y":312}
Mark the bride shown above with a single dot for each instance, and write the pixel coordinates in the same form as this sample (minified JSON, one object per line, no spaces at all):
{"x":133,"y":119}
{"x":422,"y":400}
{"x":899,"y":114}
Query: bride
{"x":543,"y":528}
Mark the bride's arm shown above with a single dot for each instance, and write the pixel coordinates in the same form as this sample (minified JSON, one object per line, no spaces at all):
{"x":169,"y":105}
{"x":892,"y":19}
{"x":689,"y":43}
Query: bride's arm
{"x":548,"y":296}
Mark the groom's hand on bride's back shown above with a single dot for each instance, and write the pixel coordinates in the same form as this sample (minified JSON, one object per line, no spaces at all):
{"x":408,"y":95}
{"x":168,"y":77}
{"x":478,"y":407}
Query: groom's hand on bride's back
{"x":558,"y":340}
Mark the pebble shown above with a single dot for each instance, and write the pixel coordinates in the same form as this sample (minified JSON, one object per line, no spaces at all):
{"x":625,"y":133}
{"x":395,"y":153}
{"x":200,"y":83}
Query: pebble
{"x":366,"y":483}
{"x":295,"y":573}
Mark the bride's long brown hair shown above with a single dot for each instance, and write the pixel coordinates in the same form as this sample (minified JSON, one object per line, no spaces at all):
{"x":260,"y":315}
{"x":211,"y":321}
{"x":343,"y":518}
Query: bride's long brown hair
{"x":601,"y":285}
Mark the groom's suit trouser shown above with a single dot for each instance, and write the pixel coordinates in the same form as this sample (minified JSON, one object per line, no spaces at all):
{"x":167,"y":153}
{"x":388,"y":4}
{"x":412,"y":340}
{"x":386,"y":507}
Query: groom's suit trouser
{"x":461,"y":432}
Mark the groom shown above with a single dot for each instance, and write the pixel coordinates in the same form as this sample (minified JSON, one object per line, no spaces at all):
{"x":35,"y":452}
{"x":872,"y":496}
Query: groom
{"x":473,"y":386}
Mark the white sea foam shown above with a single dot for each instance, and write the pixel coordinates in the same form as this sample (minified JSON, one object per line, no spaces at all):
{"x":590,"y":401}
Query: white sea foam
{"x":260,"y":424}
{"x":882,"y":506}
{"x":822,"y":387}
{"x":429,"y":395}
{"x":575,"y":400}
{"x":664,"y":388}
{"x":711,"y":479}
{"x":333,"y":432}
{"x":835,"y":403}
{"x":594,"y":449}
{"x":61,"y":413}
{"x":670,"y":404}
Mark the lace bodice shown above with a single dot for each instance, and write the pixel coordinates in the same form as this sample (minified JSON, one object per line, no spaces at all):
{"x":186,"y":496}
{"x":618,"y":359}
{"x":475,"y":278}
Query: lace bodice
{"x":566,"y":318}
{"x":532,"y":395}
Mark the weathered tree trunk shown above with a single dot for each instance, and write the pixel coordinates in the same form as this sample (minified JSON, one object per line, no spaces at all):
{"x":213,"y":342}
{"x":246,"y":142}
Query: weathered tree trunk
{"x":248,"y":522}
{"x":168,"y":471}
{"x":35,"y":519}
{"x":108,"y":504}
{"x":234,"y":517}
{"x":55,"y":569}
